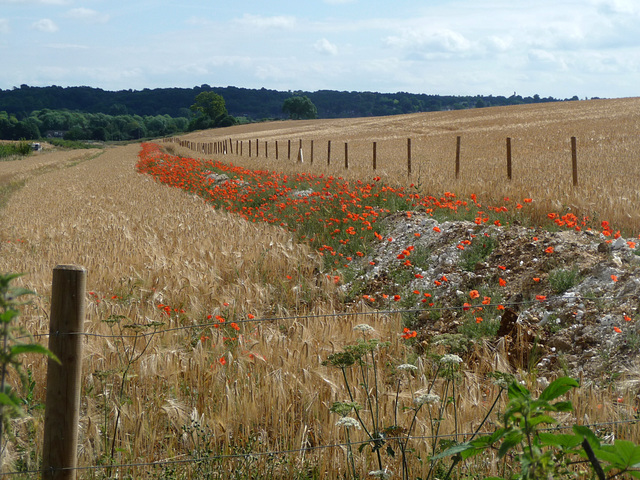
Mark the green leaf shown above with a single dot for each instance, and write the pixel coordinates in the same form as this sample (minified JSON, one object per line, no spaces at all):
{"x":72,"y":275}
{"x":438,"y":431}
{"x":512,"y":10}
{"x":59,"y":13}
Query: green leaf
{"x":19,"y":292}
{"x":560,"y":440}
{"x":541,"y":419}
{"x":517,"y":391}
{"x":32,"y":348}
{"x":8,"y":315}
{"x":628,"y":452}
{"x":7,"y":400}
{"x":558,"y":388}
{"x":585,"y":432}
{"x":511,"y":440}
{"x":461,"y":447}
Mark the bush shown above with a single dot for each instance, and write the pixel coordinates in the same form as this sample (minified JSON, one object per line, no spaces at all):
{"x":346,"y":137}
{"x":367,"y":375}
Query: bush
{"x":12,"y":149}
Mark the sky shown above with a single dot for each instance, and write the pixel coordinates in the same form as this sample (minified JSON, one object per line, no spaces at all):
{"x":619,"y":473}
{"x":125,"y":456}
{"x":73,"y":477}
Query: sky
{"x":559,"y":48}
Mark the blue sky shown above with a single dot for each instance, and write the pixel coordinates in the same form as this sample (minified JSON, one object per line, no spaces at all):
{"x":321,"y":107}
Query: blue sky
{"x":589,"y":48}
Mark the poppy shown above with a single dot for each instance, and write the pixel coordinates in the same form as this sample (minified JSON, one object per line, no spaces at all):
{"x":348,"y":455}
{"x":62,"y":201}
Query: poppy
{"x":502,"y":282}
{"x":474,"y":294}
{"x":617,"y":330}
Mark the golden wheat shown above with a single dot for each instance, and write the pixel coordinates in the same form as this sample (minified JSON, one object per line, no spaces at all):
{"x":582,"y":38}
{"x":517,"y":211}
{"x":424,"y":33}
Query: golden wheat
{"x":145,"y":245}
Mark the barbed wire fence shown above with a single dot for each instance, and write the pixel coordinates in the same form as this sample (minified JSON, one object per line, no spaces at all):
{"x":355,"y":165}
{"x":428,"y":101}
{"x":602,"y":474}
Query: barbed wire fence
{"x":57,"y":331}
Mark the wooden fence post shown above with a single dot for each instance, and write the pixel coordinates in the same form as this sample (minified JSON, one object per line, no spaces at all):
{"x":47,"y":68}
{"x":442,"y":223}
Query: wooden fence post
{"x":257,"y":148}
{"x":346,"y":155}
{"x":289,"y":150}
{"x":249,"y":142}
{"x":375,"y":160}
{"x":509,"y":158}
{"x":231,"y":146}
{"x":329,"y":152}
{"x":241,"y":142}
{"x":457,"y":157}
{"x":64,"y":380}
{"x":276,"y":149}
{"x":408,"y":157}
{"x":266,"y":149}
{"x":574,"y":160}
{"x":311,"y":159}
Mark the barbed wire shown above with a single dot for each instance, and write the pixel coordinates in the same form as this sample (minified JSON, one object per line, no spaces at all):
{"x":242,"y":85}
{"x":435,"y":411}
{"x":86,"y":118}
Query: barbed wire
{"x":274,"y":453}
{"x":314,"y":316}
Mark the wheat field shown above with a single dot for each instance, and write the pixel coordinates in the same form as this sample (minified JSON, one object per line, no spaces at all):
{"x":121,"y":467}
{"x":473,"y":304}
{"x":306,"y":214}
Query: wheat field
{"x":157,"y":254}
{"x":606,"y":131}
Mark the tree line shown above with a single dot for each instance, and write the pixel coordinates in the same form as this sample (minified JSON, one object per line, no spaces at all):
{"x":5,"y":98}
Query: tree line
{"x":242,"y":103}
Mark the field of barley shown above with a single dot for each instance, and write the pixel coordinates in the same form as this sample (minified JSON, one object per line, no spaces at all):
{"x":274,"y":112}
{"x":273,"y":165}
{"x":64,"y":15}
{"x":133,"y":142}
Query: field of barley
{"x":209,"y":334}
{"x":606,"y":131}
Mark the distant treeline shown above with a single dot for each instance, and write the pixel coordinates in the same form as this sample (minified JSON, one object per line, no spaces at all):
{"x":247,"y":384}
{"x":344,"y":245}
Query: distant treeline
{"x":74,"y":125}
{"x":242,"y":103}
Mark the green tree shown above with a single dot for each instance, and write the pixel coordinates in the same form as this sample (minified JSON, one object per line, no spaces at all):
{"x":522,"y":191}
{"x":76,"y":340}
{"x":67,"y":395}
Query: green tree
{"x":300,"y":107}
{"x":209,"y":104}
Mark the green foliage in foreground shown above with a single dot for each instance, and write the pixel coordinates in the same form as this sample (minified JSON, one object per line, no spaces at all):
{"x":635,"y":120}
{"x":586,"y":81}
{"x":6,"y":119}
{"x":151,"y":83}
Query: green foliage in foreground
{"x":524,"y":435}
{"x":11,"y":350}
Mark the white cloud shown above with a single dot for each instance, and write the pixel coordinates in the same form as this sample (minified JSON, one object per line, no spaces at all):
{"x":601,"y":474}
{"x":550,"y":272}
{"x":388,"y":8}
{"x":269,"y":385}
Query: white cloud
{"x":257,"y":21}
{"x":45,"y":25}
{"x":4,"y":26}
{"x":608,"y":7}
{"x":86,"y":14}
{"x":325,"y":46}
{"x":437,"y":41}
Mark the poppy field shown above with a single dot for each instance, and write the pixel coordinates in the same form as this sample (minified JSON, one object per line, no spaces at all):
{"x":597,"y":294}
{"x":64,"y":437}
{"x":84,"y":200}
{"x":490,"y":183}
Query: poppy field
{"x":221,"y":338}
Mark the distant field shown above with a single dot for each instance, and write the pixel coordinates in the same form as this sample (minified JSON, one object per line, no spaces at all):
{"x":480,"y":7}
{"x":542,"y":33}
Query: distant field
{"x":608,"y":153}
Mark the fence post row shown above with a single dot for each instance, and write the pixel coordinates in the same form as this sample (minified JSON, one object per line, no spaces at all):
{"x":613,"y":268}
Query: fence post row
{"x":221,"y":147}
{"x":62,"y":411}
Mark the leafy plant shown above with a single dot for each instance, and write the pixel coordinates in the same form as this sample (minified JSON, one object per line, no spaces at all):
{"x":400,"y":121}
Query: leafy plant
{"x":11,"y":350}
{"x":477,"y":252}
{"x":543,"y":453}
{"x":562,"y":279}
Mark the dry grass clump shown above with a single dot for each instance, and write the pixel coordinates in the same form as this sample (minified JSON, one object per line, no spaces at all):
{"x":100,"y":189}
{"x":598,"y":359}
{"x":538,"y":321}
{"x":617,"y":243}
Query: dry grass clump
{"x":204,"y":387}
{"x":606,"y":132}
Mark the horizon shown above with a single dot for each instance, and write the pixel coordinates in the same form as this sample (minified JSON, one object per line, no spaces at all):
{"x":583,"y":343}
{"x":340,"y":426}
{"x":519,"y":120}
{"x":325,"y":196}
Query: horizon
{"x":213,"y":87}
{"x":449,"y":47}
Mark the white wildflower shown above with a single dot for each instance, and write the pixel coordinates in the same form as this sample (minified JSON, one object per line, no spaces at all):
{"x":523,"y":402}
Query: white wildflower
{"x":407,"y":366}
{"x":348,"y":422}
{"x":364,"y":328}
{"x":451,"y":358}
{"x":384,"y":474}
{"x":426,"y":398}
